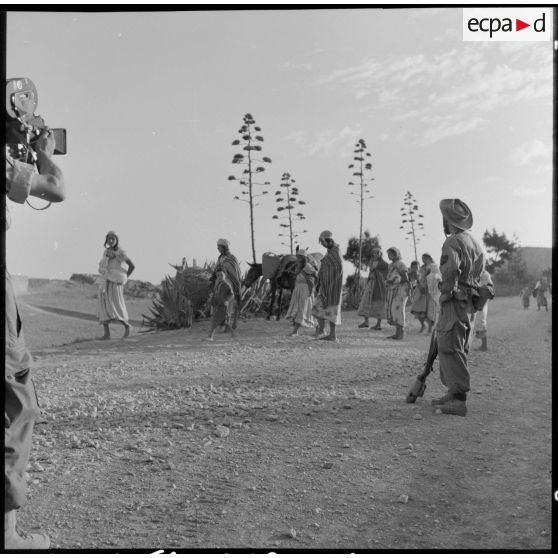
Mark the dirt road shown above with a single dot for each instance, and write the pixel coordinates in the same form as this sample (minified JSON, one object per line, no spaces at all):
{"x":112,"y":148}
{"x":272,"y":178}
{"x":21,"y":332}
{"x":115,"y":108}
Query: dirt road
{"x":169,"y":441}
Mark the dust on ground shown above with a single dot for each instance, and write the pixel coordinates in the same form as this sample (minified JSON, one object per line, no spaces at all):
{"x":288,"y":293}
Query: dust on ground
{"x":168,"y":441}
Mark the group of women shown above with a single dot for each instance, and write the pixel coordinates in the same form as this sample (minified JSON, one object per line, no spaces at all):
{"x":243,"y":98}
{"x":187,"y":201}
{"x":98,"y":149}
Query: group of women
{"x":390,"y":287}
{"x":316,"y":298}
{"x":388,"y":290}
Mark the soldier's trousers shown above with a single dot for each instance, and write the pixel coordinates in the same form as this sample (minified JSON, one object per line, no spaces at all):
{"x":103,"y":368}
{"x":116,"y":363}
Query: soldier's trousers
{"x":21,"y":410}
{"x":453,"y":347}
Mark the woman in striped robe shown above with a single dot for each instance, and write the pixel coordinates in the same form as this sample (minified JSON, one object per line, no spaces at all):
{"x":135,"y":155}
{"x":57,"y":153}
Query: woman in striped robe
{"x":327,"y":304}
{"x":373,"y":301}
{"x":228,"y":263}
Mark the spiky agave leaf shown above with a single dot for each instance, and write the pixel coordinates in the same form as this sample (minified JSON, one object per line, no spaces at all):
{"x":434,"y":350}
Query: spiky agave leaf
{"x":171,"y":309}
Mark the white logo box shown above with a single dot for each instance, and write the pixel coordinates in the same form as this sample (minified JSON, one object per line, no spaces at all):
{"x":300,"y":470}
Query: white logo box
{"x":501,"y":24}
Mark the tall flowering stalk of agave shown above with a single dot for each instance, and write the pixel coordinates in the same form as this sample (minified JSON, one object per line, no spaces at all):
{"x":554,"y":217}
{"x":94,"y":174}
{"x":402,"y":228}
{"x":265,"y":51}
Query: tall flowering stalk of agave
{"x":250,"y":140}
{"x":288,"y":204}
{"x":411,"y":220}
{"x":362,"y":170}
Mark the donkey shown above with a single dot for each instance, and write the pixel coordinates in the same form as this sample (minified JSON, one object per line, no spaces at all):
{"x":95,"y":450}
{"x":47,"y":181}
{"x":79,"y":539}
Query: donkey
{"x":281,"y":280}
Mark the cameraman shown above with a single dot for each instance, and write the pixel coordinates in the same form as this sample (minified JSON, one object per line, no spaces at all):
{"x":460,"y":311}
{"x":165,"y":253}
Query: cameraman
{"x":44,"y":181}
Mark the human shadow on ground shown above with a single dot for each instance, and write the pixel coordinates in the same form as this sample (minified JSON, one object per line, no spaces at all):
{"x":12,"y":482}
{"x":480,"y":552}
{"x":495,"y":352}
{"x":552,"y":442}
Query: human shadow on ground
{"x":79,"y":315}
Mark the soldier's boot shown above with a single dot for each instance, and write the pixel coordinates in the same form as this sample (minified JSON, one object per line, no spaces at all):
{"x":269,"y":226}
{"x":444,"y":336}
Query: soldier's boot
{"x":455,"y":406}
{"x":21,"y":541}
{"x":443,"y":399}
{"x":484,"y":346}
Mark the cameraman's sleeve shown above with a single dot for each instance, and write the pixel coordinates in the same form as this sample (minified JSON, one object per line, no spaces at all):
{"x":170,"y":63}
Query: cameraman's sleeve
{"x":18,"y":181}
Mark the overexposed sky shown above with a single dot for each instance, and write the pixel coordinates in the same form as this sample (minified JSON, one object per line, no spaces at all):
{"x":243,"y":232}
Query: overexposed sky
{"x":152,"y":102}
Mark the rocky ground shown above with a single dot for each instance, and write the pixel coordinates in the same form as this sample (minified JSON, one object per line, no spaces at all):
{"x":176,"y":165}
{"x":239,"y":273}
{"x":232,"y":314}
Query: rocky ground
{"x":168,"y":441}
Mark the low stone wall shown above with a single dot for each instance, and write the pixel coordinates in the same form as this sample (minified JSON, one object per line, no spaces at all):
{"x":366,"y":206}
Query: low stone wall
{"x":133,"y":287}
{"x":84,"y":278}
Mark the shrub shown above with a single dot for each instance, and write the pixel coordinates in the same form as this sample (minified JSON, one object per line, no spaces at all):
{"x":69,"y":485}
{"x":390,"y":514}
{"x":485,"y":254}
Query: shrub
{"x":511,"y":276}
{"x":181,"y":298}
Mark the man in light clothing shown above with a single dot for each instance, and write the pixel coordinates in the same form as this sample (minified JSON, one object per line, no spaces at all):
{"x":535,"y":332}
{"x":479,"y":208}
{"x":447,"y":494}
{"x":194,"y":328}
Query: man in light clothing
{"x":482,"y":315}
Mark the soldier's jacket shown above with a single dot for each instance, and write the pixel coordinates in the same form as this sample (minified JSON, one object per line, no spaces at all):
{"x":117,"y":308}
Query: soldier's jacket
{"x":461,"y":265}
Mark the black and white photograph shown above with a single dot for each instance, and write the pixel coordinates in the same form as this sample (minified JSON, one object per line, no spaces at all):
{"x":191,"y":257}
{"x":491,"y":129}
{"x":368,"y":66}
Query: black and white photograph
{"x":279,"y":279}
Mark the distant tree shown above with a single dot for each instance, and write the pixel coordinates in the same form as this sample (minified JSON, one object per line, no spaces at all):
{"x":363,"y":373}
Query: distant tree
{"x":511,"y":276}
{"x":500,"y":249}
{"x":411,"y":220}
{"x":250,"y":139}
{"x":361,"y":250}
{"x":287,"y":201}
{"x":362,"y":170}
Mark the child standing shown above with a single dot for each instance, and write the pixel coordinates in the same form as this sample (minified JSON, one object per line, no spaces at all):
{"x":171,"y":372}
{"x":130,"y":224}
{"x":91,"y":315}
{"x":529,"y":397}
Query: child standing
{"x":223,"y":305}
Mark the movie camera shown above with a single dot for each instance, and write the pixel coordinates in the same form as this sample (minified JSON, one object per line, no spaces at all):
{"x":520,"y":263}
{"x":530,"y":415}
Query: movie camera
{"x":23,"y":126}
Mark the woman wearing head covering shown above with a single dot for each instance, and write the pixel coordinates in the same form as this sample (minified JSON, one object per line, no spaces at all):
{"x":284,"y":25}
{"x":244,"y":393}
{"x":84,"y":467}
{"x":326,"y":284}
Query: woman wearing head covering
{"x":228,"y":263}
{"x":433,"y":279}
{"x":327,"y":304}
{"x":113,"y":276}
{"x":373,"y":301}
{"x":223,"y":305}
{"x":413,"y":274}
{"x":302,"y":298}
{"x":397,"y":283}
{"x":424,"y":307}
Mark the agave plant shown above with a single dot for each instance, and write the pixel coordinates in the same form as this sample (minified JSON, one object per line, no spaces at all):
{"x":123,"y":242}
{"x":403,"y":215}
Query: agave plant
{"x":182,"y":298}
{"x":171,"y":309}
{"x":412,"y":220}
{"x":362,"y":170}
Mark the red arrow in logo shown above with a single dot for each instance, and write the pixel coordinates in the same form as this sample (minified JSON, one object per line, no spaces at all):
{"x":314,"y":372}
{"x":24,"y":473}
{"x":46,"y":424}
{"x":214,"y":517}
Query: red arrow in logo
{"x":519,"y":25}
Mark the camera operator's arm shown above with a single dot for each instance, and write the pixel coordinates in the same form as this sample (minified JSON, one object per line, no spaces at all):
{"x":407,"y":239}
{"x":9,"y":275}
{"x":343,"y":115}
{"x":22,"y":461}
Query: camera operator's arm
{"x":49,"y":183}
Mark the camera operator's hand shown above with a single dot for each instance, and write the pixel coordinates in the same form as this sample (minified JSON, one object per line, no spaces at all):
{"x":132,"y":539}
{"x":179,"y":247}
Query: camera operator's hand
{"x":45,"y":143}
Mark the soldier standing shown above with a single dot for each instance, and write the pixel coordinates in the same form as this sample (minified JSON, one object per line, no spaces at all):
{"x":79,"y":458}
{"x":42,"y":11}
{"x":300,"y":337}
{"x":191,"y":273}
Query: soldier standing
{"x":461,"y":265}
